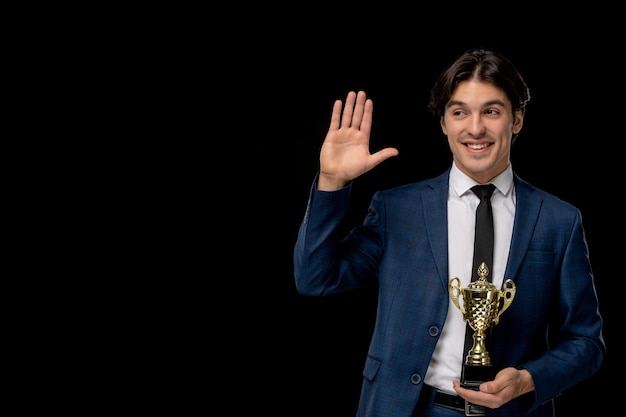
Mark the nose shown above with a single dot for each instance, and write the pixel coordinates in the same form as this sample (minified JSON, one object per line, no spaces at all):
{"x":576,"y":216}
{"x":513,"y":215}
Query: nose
{"x":476,"y":127}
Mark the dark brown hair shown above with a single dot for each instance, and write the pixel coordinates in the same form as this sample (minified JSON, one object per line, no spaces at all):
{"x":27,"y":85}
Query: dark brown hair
{"x":484,"y":65}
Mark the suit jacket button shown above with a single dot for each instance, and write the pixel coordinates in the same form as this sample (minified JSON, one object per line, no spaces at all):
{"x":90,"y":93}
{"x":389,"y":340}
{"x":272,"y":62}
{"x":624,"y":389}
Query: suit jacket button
{"x":416,"y":379}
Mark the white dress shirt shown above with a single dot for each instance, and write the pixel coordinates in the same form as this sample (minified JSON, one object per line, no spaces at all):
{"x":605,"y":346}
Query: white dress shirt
{"x":448,"y":357}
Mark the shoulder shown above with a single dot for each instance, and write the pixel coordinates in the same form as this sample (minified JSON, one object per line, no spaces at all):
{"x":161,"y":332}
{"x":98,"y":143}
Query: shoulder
{"x":527,"y":192}
{"x":439,"y":183}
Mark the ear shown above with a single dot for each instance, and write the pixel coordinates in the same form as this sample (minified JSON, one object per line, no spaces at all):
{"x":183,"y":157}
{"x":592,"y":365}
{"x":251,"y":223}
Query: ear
{"x":442,"y":123}
{"x":519,"y":122}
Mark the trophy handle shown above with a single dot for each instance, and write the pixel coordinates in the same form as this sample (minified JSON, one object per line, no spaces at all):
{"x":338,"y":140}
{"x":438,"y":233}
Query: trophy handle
{"x":454,"y":287}
{"x":506,"y":297}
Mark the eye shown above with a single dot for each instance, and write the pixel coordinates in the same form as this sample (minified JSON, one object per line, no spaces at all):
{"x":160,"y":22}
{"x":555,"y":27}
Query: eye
{"x":458,"y":112}
{"x":493,"y":112}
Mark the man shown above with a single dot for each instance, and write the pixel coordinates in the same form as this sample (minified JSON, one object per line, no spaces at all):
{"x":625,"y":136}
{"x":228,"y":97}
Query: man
{"x":416,"y":237}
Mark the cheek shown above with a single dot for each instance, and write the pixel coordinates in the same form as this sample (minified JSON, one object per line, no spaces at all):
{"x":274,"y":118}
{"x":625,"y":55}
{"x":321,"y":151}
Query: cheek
{"x":453,"y":144}
{"x":452,"y":130}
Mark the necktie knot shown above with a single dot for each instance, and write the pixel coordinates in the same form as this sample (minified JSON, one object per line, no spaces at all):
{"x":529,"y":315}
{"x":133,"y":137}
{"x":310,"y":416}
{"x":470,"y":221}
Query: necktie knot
{"x":484,"y":191}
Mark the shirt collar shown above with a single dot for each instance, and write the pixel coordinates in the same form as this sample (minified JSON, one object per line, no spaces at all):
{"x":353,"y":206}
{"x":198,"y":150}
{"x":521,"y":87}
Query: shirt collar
{"x":461,"y":183}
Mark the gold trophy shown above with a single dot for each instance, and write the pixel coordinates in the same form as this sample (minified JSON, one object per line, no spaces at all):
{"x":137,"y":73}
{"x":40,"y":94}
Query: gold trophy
{"x":483,"y":304}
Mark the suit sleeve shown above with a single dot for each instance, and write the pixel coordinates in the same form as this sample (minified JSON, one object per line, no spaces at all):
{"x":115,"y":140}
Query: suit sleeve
{"x":326,"y":261}
{"x":577,"y":347}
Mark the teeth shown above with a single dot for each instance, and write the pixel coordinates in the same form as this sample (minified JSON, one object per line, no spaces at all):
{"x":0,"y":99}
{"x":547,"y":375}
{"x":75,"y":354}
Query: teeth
{"x":477,"y":146}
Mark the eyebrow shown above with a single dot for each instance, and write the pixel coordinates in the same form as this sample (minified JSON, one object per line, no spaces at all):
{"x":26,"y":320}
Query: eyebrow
{"x":487,"y":104}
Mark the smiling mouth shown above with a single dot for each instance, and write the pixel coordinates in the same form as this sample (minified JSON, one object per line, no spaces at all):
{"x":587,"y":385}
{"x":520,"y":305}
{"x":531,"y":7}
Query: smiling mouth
{"x":477,"y":146}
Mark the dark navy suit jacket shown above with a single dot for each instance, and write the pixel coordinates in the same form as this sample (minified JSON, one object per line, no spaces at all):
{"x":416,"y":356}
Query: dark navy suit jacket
{"x":553,"y":327}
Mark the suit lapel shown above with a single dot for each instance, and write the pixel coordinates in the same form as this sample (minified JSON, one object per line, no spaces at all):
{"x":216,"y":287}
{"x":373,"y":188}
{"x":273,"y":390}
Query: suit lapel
{"x":435,"y":201}
{"x":435,"y":208}
{"x":526,"y":215}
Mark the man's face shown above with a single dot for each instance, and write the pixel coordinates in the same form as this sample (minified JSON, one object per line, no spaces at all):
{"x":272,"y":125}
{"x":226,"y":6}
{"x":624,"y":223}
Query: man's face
{"x":479,"y":124}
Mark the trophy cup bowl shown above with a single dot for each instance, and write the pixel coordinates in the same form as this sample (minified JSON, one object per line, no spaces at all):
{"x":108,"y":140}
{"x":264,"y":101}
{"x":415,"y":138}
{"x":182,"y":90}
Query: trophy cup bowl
{"x":483,"y":304}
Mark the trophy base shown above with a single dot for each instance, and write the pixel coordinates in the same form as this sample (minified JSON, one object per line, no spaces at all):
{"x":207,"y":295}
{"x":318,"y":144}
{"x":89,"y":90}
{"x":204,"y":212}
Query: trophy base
{"x":471,"y":378}
{"x":474,"y":375}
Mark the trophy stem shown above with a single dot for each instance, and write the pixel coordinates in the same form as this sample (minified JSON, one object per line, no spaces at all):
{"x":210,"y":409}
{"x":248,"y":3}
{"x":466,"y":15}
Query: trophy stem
{"x":478,"y":354}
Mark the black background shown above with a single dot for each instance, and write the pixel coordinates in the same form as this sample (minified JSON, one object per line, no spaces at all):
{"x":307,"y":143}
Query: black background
{"x":239,"y":120}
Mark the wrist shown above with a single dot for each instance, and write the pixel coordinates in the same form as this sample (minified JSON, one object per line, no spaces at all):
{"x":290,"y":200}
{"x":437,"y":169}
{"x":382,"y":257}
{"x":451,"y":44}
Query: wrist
{"x":329,"y":183}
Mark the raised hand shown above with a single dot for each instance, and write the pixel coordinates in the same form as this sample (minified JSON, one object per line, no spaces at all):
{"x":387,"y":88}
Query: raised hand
{"x":345,"y":152}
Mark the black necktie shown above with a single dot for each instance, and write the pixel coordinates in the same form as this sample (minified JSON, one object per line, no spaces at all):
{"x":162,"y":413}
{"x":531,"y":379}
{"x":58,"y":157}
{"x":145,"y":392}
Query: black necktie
{"x":483,"y":245}
{"x":483,"y":232}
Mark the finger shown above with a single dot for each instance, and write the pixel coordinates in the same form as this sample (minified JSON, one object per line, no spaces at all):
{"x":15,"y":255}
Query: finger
{"x":366,"y":122}
{"x":359,"y":109}
{"x":382,"y":155}
{"x":335,"y":117}
{"x":346,"y":119}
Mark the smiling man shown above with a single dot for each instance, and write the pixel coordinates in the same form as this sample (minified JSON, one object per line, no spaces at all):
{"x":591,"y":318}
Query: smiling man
{"x":416,"y":237}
